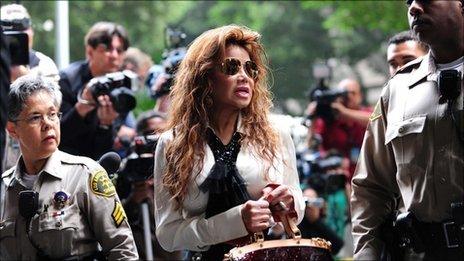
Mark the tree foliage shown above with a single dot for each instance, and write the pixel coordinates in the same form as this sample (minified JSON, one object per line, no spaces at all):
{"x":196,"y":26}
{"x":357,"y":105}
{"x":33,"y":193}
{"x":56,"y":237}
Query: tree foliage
{"x":294,"y":33}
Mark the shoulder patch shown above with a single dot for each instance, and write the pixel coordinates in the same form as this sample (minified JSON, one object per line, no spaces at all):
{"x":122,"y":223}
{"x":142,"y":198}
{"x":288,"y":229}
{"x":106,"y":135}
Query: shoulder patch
{"x":101,"y":184}
{"x":377,"y":113}
{"x":118,"y":213}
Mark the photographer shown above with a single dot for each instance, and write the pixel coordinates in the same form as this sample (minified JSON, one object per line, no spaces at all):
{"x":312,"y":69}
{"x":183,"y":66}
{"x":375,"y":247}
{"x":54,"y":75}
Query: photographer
{"x":312,"y":224}
{"x":4,"y":87}
{"x":89,"y":119}
{"x":345,"y":130}
{"x":17,"y":26}
{"x":16,"y":18}
{"x":135,"y":183}
{"x":161,"y":77}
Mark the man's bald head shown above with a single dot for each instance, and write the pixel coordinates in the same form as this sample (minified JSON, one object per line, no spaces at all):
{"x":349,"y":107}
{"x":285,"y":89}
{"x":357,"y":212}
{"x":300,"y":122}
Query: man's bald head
{"x":353,"y":88}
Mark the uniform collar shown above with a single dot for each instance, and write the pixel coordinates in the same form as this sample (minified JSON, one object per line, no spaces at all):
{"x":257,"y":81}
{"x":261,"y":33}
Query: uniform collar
{"x":51,"y":168}
{"x":426,"y":67}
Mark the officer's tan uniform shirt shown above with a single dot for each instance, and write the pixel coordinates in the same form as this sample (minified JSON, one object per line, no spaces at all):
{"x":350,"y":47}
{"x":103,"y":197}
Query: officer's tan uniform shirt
{"x":90,"y":214}
{"x":411,"y":148}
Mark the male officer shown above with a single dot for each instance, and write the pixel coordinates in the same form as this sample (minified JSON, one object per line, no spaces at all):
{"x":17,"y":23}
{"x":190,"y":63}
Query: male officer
{"x":402,"y":48}
{"x":414,"y":148}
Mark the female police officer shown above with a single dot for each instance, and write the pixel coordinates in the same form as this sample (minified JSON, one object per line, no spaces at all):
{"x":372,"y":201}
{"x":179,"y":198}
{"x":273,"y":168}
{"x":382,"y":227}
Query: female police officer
{"x":67,"y":205}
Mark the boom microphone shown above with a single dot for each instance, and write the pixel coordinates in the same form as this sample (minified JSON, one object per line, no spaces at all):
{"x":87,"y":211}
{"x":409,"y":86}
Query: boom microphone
{"x":110,"y":161}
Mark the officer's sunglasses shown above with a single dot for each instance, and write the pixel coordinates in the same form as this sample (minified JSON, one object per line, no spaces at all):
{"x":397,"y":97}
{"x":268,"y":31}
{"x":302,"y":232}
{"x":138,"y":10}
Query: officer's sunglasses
{"x":231,"y":66}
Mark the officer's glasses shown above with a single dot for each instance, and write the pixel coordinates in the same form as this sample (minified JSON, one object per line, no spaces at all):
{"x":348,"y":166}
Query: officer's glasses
{"x":231,"y":66}
{"x":37,"y":119}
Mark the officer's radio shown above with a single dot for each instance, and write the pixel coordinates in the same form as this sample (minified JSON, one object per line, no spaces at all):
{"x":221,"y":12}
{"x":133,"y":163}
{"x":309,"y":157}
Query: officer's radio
{"x":28,"y":203}
{"x":449,"y":85}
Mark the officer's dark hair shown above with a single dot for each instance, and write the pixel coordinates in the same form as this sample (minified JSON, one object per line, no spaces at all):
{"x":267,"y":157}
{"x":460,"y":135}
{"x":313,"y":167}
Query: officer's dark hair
{"x":142,"y":124}
{"x":26,"y":86}
{"x":405,"y":36}
{"x":103,"y":32}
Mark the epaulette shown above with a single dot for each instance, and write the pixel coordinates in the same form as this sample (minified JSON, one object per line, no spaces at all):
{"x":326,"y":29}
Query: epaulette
{"x":8,"y":172}
{"x":407,"y":68}
{"x":79,"y":160}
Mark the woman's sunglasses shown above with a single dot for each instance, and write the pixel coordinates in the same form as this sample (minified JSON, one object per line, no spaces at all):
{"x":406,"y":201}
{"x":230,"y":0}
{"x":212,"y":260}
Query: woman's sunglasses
{"x":231,"y":66}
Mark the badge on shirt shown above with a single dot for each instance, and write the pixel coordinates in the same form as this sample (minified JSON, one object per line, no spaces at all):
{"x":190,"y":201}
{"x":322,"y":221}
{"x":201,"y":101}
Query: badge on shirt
{"x":377,"y":113}
{"x":60,"y":199}
{"x":118,"y":214}
{"x":101,"y":184}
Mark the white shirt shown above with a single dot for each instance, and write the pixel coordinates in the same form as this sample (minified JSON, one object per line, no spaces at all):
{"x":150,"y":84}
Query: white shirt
{"x":187,"y":228}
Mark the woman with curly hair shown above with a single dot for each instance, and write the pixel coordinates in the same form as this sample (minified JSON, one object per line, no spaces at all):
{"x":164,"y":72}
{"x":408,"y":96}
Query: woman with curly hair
{"x":222,"y":166}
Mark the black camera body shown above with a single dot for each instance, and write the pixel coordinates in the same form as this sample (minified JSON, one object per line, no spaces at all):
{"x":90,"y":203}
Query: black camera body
{"x":117,"y":86}
{"x":322,"y":177}
{"x":17,"y":40}
{"x":139,"y":164}
{"x":328,"y":96}
{"x":324,"y":97}
{"x":171,"y":61}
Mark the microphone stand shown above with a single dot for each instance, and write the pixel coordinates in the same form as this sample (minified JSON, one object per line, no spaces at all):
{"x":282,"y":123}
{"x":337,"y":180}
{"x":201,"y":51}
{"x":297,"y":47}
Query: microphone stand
{"x":146,"y":231}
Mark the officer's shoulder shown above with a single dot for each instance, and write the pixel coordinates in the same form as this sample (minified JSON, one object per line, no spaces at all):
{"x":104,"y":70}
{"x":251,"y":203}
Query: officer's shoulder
{"x":8,"y":172}
{"x":410,"y":66}
{"x":69,"y":159}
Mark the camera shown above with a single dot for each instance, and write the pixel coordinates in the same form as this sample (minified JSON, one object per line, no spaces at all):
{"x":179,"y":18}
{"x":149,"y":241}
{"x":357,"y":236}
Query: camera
{"x":171,"y":58}
{"x":314,"y":202}
{"x":17,"y":40}
{"x":324,"y":97}
{"x":323,"y":175}
{"x":117,"y":86}
{"x":139,"y":164}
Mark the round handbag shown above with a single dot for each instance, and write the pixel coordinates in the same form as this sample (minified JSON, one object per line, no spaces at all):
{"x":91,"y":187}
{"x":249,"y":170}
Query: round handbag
{"x":293,"y":248}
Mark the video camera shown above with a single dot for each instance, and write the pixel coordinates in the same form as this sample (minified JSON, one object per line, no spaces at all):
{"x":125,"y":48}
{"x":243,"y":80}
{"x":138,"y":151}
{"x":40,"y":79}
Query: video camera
{"x":17,"y":40}
{"x":139,"y":164}
{"x":172,"y":56}
{"x":322,"y":176}
{"x":117,"y":86}
{"x":324,"y":97}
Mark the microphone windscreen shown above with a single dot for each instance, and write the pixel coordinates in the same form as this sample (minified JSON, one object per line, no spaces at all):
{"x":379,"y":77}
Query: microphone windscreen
{"x":110,"y":161}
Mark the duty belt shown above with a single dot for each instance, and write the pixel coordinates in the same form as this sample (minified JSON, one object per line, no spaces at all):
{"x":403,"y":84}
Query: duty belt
{"x":444,"y":235}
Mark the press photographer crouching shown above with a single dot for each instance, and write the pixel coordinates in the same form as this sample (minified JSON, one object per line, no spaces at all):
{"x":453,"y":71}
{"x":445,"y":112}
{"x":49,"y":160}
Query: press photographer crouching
{"x":313,"y":225}
{"x":326,"y":176}
{"x":135,"y":187}
{"x":96,"y":96}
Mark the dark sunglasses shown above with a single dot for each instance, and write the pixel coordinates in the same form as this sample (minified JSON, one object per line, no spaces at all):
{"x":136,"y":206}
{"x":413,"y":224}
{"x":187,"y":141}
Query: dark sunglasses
{"x":231,"y":66}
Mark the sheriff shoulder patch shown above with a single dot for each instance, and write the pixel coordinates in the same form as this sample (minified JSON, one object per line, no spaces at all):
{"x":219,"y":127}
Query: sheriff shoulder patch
{"x":101,"y":184}
{"x":118,"y":214}
{"x":377,"y":113}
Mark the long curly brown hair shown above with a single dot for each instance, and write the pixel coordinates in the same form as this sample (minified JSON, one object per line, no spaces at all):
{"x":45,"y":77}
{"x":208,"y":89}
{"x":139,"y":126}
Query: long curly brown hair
{"x":191,"y":103}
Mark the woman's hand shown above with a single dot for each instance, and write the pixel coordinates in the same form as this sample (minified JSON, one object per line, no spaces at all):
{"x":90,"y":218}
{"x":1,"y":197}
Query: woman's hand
{"x":280,"y":199}
{"x":256,"y":215}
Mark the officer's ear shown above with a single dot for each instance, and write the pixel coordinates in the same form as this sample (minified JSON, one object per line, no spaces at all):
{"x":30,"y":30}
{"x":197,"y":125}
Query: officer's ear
{"x":11,"y":128}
